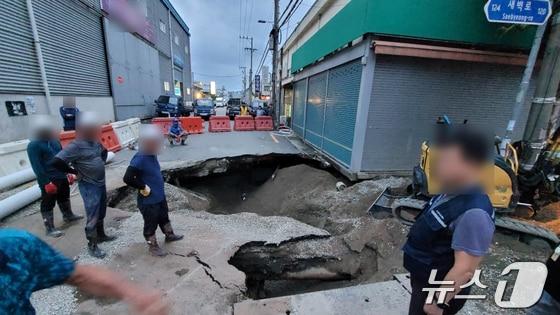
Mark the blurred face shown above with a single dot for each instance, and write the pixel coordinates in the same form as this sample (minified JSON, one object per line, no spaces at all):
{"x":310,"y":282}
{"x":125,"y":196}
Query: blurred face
{"x":151,"y":146}
{"x":453,"y":171}
{"x":89,"y":132}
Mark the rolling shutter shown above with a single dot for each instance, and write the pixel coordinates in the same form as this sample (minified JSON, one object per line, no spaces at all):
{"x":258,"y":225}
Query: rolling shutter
{"x":315,"y":110}
{"x":73,"y":48}
{"x":341,"y":109}
{"x":19,"y":69}
{"x":300,"y":96}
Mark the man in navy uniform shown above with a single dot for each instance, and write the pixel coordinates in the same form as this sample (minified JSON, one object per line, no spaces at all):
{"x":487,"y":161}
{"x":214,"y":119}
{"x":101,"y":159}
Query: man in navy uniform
{"x":455,"y":230}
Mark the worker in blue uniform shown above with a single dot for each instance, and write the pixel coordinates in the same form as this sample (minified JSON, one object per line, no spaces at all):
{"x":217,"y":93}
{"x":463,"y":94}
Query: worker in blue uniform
{"x":455,"y":230}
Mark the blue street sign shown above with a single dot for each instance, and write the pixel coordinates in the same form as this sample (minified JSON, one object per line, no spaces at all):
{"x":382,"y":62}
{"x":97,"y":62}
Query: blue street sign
{"x":257,"y":83}
{"x":531,"y":12}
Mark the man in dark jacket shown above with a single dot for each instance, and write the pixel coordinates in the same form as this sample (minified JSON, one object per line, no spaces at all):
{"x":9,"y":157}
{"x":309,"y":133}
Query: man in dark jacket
{"x":69,"y":114}
{"x":54,"y":184}
{"x":455,"y":230}
{"x":144,"y":174}
{"x":87,"y":158}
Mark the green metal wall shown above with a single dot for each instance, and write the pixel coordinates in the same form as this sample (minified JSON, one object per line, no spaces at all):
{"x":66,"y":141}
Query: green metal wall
{"x":460,"y":21}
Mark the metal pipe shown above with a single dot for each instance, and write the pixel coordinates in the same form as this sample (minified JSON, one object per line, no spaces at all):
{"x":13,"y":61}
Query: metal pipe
{"x":16,"y":178}
{"x":15,"y":202}
{"x":39,"y":53}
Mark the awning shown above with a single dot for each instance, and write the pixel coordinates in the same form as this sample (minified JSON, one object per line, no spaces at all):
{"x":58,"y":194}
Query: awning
{"x":447,"y":53}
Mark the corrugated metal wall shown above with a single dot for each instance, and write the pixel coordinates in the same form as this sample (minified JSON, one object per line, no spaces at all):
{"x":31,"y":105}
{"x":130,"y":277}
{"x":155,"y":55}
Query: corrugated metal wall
{"x":19,"y":70}
{"x":327,"y":113}
{"x":410,"y":93}
{"x":73,"y":48}
{"x":300,"y":98}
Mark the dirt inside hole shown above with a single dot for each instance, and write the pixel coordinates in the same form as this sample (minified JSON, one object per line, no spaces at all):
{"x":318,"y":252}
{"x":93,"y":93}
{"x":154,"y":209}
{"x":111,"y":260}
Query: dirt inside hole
{"x":307,"y":193}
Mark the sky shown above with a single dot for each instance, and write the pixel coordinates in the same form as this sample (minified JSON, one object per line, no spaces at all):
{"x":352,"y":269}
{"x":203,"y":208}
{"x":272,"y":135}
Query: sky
{"x":216,"y":50}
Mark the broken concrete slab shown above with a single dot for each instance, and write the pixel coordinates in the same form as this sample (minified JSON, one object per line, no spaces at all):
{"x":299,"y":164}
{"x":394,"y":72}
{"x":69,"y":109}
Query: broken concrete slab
{"x":197,"y":284}
{"x":387,"y":298}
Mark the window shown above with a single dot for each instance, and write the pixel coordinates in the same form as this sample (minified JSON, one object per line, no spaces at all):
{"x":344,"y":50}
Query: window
{"x":162,"y":26}
{"x":176,"y":39}
{"x":166,"y":86}
{"x":188,"y":91}
{"x":187,"y":50}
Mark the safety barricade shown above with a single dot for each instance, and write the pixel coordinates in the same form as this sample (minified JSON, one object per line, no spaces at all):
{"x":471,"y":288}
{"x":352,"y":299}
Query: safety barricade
{"x":109,"y":139}
{"x":164,"y":123}
{"x":219,"y":124}
{"x":14,"y":157}
{"x":66,"y":137}
{"x":192,"y":124}
{"x":264,"y":123}
{"x":244,"y":123}
{"x":134,"y":125}
{"x":124,"y":132}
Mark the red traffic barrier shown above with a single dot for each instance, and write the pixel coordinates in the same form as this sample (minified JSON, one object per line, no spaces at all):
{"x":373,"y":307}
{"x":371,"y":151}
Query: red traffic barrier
{"x":219,"y":124}
{"x":109,"y":139}
{"x":192,"y":124}
{"x":244,"y":123}
{"x":66,"y":137}
{"x":264,"y":123}
{"x":164,"y":123}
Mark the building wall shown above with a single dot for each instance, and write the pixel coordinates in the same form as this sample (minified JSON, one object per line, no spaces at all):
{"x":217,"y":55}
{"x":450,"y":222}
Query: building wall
{"x":181,"y":49}
{"x":409,"y":94}
{"x":462,"y":22}
{"x":17,"y":128}
{"x":134,"y":72}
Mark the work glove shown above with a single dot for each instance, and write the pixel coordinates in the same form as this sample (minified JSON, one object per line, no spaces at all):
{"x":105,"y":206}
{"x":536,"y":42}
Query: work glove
{"x":51,"y":188}
{"x":146,"y":191}
{"x":71,"y":179}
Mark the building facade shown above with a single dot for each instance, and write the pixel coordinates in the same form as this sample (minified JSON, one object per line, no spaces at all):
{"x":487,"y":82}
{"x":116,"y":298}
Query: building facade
{"x":99,"y":55}
{"x":367,"y":93}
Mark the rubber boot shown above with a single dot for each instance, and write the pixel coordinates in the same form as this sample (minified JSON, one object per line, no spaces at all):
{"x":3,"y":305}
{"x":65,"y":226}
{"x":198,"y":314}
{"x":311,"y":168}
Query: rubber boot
{"x":101,"y":236}
{"x":154,"y":248}
{"x":48,"y":220}
{"x":94,"y":250}
{"x":170,"y":236}
{"x":67,"y":213}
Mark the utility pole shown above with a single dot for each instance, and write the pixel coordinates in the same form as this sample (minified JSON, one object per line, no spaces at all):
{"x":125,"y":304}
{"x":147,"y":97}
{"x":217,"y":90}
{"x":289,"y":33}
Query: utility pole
{"x":275,"y":34}
{"x":536,"y":131}
{"x":251,"y":51}
{"x":244,"y":80}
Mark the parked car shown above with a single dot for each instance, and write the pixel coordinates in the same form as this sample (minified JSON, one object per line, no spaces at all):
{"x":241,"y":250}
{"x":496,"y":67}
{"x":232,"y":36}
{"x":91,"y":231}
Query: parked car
{"x":171,"y":106}
{"x":204,"y":108}
{"x":233,"y":107}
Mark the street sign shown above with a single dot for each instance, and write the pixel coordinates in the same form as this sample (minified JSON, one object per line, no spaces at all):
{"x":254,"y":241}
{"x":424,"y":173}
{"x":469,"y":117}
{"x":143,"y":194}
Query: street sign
{"x":529,"y":12}
{"x":257,"y":83}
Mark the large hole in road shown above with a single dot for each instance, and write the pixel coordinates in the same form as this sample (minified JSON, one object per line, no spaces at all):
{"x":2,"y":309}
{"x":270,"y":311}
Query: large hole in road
{"x":305,"y":190}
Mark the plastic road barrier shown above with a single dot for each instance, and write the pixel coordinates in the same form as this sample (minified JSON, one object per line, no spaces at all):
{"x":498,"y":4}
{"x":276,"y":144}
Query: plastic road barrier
{"x":14,"y":157}
{"x":264,"y":123}
{"x":109,"y":139}
{"x":244,"y":123}
{"x":219,"y":124}
{"x":192,"y":124}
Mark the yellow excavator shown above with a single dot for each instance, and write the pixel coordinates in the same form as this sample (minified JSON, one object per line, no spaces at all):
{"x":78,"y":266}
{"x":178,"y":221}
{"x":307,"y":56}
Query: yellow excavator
{"x":515,"y":194}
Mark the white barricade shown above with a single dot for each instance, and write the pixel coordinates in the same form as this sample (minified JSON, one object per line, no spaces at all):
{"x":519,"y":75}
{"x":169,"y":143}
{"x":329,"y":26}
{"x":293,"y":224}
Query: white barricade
{"x":14,"y":157}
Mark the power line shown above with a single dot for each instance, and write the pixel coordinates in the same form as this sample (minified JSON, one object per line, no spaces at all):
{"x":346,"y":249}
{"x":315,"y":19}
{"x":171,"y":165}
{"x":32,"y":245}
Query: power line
{"x":286,"y":9}
{"x":217,"y":75}
{"x":292,"y":11}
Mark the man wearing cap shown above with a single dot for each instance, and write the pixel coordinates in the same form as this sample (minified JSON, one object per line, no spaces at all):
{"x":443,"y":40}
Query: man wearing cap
{"x":54,"y":184}
{"x":144,"y":174}
{"x":86,"y":158}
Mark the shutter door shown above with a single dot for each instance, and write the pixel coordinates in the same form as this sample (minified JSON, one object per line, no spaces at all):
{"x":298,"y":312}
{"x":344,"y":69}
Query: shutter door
{"x":409,"y":94}
{"x":315,"y":110}
{"x":300,"y":93}
{"x":341,"y":109}
{"x":19,"y":69}
{"x":73,"y":48}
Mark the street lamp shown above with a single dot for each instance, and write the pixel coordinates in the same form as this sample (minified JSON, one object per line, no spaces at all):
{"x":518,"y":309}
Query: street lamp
{"x":265,"y":22}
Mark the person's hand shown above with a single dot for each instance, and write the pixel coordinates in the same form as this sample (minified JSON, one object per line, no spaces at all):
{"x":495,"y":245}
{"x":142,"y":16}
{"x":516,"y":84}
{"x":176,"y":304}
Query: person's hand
{"x":146,"y":191}
{"x":71,"y":179}
{"x":432,"y":309}
{"x":51,"y":188}
{"x":150,"y":303}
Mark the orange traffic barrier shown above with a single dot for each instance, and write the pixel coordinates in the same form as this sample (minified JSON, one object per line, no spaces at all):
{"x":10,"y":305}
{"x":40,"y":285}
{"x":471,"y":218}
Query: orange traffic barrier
{"x":164,"y":123}
{"x":219,"y":124}
{"x":109,"y":139}
{"x":192,"y":124}
{"x":244,"y":123}
{"x":66,"y":137}
{"x":264,"y":123}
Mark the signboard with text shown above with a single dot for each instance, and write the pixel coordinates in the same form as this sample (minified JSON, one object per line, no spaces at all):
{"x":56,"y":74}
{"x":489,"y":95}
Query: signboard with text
{"x":129,"y":16}
{"x":257,"y":83}
{"x":528,"y":12}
